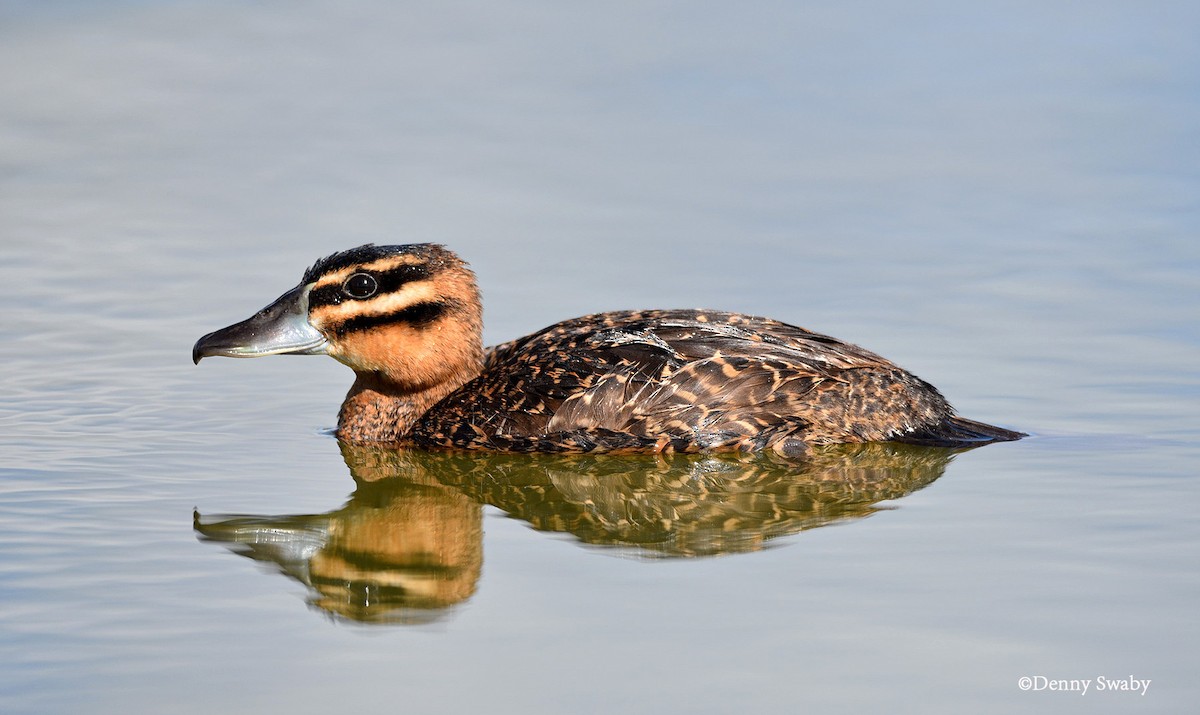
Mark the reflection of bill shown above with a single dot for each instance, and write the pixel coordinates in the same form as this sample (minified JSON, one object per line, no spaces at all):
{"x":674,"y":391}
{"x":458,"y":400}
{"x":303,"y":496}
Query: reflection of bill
{"x":409,"y":543}
{"x":398,"y":551}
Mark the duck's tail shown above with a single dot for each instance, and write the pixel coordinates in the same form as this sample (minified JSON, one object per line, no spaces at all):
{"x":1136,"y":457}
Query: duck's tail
{"x":959,"y":432}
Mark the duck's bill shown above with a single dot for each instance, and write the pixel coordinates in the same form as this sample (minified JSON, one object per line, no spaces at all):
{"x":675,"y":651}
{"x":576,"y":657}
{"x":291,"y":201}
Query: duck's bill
{"x":282,"y":328}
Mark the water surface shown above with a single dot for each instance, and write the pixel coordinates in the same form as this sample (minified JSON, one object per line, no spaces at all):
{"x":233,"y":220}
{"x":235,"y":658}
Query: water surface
{"x":1000,"y":198}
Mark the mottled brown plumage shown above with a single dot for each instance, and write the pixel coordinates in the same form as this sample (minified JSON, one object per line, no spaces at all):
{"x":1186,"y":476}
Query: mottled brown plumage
{"x":407,"y":319}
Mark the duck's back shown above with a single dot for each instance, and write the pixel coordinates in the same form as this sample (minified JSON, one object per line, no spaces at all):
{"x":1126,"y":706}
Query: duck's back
{"x":686,"y":380}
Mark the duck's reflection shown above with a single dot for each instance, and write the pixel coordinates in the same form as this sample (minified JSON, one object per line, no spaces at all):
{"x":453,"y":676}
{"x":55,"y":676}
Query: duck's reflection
{"x":409,"y":543}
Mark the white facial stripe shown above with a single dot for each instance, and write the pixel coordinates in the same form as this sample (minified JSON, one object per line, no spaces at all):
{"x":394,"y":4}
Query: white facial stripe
{"x":383,"y":264}
{"x":409,"y":294}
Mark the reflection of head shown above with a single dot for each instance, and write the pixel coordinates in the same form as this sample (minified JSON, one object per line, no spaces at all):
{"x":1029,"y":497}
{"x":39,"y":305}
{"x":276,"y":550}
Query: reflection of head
{"x":409,"y":543}
{"x":416,"y":548}
{"x":397,"y":552}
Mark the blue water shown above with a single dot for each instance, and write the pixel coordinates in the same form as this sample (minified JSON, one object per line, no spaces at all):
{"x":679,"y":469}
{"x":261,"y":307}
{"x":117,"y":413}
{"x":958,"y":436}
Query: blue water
{"x":1001,"y":198}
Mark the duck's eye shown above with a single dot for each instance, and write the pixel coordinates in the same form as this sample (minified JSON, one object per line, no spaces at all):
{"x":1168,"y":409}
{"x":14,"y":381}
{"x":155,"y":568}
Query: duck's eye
{"x":360,"y":285}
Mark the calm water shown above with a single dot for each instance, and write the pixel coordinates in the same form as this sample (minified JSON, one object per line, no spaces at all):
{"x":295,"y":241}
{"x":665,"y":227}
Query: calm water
{"x":1001,"y":198}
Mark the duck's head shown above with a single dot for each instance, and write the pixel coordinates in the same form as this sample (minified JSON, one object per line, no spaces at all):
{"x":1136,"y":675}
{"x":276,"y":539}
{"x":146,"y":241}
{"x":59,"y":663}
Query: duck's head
{"x":408,"y":315}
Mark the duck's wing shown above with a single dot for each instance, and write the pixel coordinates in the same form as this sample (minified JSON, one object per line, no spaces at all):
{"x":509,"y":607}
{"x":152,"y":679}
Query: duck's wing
{"x":735,"y":381}
{"x":678,"y":379}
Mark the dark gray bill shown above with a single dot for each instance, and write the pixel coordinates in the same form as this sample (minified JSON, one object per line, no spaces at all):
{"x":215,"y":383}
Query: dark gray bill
{"x":282,"y":328}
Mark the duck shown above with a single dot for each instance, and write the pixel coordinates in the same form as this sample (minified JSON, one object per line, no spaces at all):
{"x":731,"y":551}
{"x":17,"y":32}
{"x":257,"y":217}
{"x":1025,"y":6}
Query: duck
{"x":408,"y":320}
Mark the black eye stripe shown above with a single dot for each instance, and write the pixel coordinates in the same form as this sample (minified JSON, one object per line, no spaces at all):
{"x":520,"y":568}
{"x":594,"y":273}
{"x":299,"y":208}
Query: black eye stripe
{"x":389,"y":281}
{"x":418,"y":315}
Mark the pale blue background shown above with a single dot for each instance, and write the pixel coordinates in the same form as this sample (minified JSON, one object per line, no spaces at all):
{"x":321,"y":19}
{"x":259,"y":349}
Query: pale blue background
{"x":1001,"y":197}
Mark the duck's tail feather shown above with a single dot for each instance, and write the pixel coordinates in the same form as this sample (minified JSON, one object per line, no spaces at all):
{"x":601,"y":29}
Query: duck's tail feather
{"x":959,"y":432}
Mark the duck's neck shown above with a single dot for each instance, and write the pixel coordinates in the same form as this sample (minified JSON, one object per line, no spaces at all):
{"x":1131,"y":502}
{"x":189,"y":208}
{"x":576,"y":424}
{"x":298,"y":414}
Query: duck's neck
{"x":378,"y":410}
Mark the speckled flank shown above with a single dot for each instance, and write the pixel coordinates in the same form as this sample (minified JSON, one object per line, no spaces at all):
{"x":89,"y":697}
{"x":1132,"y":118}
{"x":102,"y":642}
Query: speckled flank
{"x":679,"y":380}
{"x":407,"y":319}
